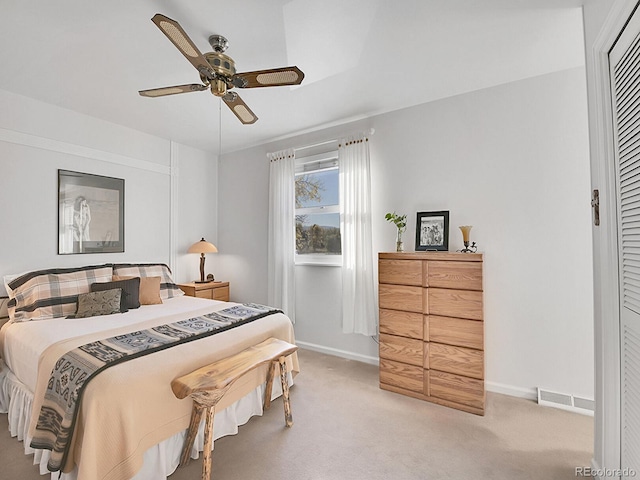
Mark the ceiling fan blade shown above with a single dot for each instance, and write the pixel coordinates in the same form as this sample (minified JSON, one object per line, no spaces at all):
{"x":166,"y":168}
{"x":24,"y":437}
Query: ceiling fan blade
{"x":161,"y":92}
{"x":239,"y":108}
{"x":181,"y":40}
{"x":274,"y":77}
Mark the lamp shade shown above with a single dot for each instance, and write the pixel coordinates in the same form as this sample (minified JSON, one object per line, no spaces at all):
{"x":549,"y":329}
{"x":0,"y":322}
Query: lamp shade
{"x":202,"y":247}
{"x":465,"y":232}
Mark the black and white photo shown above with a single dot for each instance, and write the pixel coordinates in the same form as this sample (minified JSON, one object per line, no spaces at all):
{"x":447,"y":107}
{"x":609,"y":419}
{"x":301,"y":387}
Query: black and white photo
{"x":432,"y":231}
{"x":90,"y":213}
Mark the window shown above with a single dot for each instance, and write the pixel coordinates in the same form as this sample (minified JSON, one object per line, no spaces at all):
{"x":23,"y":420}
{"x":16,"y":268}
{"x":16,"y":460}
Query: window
{"x":317,"y":210}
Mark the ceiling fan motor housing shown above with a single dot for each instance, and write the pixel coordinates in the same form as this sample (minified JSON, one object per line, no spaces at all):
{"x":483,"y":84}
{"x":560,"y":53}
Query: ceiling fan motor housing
{"x":221,"y":64}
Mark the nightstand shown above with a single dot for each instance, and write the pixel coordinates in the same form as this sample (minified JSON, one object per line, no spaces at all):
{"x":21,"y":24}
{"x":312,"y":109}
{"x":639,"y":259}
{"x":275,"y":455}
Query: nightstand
{"x":211,"y":290}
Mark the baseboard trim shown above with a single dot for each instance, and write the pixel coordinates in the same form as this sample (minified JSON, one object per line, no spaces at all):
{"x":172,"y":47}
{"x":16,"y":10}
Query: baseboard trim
{"x":528,"y":393}
{"x":339,"y":353}
{"x":519,"y":392}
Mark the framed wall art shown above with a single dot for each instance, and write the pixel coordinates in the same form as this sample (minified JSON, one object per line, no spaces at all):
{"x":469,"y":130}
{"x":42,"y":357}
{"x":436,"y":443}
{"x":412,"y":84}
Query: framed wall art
{"x":432,"y":231}
{"x":90,"y":213}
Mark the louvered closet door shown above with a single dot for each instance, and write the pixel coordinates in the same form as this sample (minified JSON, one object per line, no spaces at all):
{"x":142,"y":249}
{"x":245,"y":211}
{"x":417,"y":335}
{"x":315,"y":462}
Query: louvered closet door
{"x":624,"y":62}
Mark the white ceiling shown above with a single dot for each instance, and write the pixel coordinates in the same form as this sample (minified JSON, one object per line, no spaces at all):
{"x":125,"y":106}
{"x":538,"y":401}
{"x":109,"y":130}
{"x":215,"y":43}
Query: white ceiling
{"x":360,"y":57}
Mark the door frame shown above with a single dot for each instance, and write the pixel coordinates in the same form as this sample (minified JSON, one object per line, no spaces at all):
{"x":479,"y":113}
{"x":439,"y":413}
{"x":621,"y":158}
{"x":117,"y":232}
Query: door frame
{"x":607,"y":418}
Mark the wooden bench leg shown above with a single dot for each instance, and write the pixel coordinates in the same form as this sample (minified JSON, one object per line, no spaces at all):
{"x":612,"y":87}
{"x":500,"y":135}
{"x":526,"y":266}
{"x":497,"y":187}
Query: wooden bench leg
{"x":208,"y":443}
{"x":194,"y":423}
{"x":269,"y":386}
{"x":288,"y":418}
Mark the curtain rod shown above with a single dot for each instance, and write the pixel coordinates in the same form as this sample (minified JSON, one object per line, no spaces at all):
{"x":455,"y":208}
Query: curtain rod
{"x":314,"y":145}
{"x":370,"y":132}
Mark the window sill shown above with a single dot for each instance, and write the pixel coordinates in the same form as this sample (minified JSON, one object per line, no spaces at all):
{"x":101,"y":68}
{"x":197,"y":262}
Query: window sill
{"x":319,"y":261}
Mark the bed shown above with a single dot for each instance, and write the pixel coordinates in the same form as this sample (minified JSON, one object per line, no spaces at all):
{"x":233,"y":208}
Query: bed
{"x":129,"y":423}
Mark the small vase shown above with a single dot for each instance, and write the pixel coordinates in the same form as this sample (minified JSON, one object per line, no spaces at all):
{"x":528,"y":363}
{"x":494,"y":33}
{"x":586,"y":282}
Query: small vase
{"x":399,"y":243}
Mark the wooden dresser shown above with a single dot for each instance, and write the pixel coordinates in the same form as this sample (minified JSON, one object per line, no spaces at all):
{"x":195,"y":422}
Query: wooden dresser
{"x":431,"y":327}
{"x":211,"y":290}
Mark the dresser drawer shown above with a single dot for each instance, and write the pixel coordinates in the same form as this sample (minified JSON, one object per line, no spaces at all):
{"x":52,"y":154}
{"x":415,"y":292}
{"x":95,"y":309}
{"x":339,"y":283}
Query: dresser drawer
{"x":209,"y":290}
{"x":400,"y":272}
{"x":204,"y":294}
{"x":400,"y":297}
{"x":221,"y":293}
{"x":455,"y":331}
{"x":402,"y":375}
{"x":406,"y":350}
{"x":458,"y":275}
{"x":404,"y":324}
{"x":456,"y":388}
{"x":458,"y":360}
{"x":454,"y":303}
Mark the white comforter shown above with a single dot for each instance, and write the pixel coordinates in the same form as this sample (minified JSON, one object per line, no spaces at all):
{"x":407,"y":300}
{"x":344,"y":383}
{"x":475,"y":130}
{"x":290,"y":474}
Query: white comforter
{"x":22,"y":345}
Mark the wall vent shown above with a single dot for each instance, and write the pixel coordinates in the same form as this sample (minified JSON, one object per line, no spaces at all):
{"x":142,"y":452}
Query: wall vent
{"x":565,"y":402}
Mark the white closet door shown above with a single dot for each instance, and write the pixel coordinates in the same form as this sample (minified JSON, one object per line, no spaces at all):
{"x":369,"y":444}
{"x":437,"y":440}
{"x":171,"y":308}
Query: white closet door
{"x":624,"y":61}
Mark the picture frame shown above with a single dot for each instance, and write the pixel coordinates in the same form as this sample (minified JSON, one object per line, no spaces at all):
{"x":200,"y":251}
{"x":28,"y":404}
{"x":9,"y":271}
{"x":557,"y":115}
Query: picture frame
{"x":90,"y":213}
{"x":432,"y":231}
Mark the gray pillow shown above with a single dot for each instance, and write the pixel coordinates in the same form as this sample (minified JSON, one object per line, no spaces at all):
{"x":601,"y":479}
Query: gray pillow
{"x":93,"y":304}
{"x":130,"y":292}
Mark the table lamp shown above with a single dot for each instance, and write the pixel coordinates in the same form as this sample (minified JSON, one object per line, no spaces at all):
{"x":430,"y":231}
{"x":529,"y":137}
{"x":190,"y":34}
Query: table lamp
{"x":202,"y":247}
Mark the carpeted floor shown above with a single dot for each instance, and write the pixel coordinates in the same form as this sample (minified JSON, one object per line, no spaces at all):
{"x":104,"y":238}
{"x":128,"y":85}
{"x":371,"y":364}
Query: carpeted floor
{"x":346,"y":428}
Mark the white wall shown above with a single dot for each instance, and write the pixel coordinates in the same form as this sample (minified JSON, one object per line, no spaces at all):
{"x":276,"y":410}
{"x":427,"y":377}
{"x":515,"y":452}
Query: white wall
{"x":37,"y":139}
{"x":196,"y":200}
{"x":513,"y":162}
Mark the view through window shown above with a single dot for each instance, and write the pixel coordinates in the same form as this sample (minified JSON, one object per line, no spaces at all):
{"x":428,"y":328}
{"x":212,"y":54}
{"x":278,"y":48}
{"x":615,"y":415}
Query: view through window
{"x":318,"y":209}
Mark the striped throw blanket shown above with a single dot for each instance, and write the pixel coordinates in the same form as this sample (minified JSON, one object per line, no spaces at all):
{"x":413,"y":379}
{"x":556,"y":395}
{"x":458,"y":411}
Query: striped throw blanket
{"x":74,"y":369}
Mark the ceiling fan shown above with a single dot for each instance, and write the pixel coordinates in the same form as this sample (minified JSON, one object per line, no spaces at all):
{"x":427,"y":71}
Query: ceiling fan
{"x":218,"y":71}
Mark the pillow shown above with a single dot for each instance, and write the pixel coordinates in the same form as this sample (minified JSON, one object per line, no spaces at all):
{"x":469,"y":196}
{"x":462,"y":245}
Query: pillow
{"x":51,"y":293}
{"x":93,"y":304}
{"x":149,"y":289}
{"x":168,"y":288}
{"x":130,"y":297}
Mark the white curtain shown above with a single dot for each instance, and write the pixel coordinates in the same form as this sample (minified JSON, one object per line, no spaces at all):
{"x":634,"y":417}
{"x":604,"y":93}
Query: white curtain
{"x":359,"y":299}
{"x":281,"y":242}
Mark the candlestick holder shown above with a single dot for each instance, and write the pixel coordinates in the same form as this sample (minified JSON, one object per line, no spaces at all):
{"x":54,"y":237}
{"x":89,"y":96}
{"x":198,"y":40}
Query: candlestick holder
{"x":469,"y":248}
{"x":465,"y":229}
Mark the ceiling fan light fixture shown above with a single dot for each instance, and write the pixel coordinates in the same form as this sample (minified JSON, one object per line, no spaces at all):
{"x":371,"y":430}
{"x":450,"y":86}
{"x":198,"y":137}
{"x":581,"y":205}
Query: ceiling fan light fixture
{"x":218,"y":87}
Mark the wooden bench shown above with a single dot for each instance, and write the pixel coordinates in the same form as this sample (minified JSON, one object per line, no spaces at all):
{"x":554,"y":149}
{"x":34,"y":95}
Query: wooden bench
{"x":207,"y":385}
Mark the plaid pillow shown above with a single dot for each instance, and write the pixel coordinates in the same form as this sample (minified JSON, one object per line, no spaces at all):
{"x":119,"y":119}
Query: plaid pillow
{"x":168,"y":288}
{"x":52,"y":293}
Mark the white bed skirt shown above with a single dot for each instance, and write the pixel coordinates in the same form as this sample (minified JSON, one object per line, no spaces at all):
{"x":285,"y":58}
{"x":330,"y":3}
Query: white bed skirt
{"x":161,"y":460}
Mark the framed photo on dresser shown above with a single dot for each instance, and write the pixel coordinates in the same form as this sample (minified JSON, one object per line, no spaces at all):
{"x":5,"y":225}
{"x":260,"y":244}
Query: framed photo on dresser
{"x":432,"y":231}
